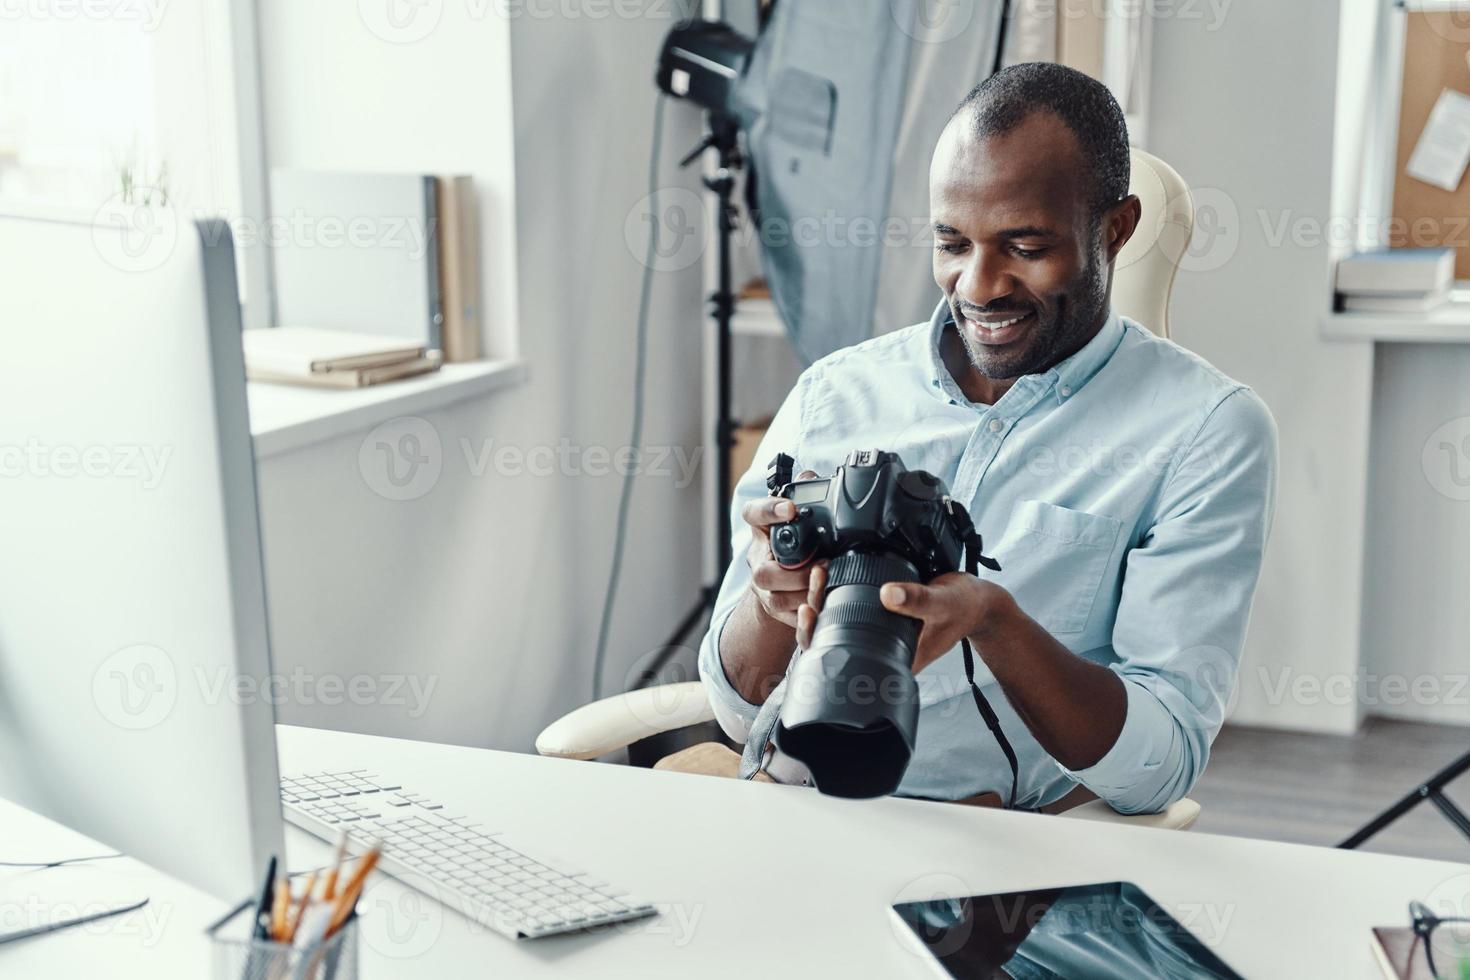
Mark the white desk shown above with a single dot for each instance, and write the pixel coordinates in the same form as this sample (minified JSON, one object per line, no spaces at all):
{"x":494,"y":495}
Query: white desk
{"x":761,"y":880}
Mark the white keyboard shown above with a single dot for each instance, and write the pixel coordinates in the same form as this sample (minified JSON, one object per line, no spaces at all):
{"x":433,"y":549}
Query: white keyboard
{"x":467,"y":868}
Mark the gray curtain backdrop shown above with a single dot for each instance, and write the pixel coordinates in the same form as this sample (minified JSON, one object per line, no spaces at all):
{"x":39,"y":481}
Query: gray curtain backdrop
{"x":843,"y":104}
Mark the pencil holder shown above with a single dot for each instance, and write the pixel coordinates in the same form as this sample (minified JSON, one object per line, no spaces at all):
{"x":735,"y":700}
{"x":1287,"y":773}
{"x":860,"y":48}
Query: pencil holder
{"x":238,"y":956}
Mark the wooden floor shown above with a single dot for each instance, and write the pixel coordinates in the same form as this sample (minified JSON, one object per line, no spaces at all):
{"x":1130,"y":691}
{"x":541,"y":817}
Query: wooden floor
{"x":1317,"y":789}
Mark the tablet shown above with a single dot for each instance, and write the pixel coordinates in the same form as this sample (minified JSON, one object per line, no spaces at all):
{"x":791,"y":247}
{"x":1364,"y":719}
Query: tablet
{"x":1094,"y":931}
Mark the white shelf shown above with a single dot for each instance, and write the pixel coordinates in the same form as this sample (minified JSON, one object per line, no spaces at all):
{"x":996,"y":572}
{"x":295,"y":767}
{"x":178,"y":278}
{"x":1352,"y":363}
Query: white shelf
{"x":1450,"y":324}
{"x":287,"y":417}
{"x":757,"y":318}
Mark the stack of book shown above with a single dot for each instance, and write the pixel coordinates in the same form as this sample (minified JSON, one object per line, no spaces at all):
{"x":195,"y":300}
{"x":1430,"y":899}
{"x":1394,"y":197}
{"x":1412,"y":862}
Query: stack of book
{"x":332,"y":358}
{"x":1395,"y":280}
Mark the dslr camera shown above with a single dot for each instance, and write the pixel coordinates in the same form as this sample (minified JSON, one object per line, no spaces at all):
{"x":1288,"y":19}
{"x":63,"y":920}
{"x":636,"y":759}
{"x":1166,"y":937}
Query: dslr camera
{"x":852,"y":705}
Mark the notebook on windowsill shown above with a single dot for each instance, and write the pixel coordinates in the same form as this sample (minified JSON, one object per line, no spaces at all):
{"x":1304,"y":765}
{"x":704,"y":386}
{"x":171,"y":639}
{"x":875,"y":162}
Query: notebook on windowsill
{"x":332,"y":358}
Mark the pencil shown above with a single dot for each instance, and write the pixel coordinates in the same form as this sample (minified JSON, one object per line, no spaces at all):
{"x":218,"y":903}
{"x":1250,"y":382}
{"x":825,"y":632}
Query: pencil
{"x":278,"y":908}
{"x":329,"y":889}
{"x":294,"y":916}
{"x":350,"y":891}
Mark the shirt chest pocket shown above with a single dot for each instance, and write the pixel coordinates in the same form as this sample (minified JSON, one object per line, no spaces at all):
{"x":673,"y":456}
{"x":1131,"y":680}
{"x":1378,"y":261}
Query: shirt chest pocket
{"x":1053,"y":561}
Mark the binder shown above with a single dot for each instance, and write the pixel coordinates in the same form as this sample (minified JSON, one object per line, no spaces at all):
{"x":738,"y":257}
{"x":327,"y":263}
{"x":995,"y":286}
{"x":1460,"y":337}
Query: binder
{"x":459,"y":253}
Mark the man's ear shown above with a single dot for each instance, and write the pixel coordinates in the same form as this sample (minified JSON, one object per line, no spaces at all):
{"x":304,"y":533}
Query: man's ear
{"x":1120,"y":224}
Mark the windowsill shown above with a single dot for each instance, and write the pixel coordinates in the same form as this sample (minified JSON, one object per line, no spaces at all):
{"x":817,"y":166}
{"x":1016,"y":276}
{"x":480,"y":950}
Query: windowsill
{"x":1450,"y":324}
{"x":287,"y":417}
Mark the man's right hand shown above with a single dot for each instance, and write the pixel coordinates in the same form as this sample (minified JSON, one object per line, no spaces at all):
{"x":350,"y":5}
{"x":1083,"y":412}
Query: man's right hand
{"x":759,"y":638}
{"x":779,"y":592}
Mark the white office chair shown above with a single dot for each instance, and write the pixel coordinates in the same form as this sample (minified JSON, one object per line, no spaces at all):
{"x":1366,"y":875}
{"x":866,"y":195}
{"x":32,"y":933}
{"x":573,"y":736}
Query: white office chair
{"x":1143,"y":276}
{"x":1143,"y":279}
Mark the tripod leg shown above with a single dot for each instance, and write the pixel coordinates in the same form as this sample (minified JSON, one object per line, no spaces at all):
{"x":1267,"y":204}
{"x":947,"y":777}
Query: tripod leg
{"x":1385,"y":818}
{"x":692,"y":619}
{"x":1451,"y":812}
{"x":1430,"y":790}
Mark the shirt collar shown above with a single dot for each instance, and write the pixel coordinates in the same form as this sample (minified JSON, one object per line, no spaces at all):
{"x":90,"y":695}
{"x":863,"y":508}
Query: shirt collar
{"x":1079,"y":369}
{"x":1066,"y":378}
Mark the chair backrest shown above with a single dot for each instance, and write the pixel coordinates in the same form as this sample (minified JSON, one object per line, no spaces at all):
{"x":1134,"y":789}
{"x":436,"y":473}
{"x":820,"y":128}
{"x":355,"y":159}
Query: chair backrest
{"x":1143,"y":275}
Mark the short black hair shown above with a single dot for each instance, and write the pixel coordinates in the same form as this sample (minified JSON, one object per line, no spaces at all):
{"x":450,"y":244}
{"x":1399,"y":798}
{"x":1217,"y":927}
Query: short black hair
{"x":1083,"y":104}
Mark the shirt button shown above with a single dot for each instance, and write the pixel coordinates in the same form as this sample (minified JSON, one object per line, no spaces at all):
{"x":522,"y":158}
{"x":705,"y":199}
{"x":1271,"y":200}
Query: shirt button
{"x":1066,"y":391}
{"x":996,"y":425}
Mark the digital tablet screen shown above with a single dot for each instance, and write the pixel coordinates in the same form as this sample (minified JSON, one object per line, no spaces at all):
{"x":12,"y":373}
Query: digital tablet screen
{"x":1093,"y":931}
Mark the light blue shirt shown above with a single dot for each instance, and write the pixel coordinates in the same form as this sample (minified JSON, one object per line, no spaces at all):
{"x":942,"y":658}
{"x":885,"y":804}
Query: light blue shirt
{"x":1127,"y":494}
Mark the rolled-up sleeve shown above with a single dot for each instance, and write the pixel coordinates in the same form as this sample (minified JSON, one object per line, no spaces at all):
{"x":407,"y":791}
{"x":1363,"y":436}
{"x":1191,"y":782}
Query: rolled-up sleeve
{"x":733,"y":712}
{"x":1184,"y":607}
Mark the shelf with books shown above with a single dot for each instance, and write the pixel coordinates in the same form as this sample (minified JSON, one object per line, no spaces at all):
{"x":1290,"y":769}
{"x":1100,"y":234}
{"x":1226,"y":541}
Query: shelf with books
{"x":1449,"y":324}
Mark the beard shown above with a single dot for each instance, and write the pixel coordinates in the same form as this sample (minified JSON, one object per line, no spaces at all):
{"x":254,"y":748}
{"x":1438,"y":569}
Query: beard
{"x":1074,"y":316}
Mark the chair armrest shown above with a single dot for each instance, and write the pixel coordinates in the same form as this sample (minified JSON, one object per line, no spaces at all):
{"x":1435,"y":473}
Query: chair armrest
{"x":613,"y":723}
{"x":1176,"y":816}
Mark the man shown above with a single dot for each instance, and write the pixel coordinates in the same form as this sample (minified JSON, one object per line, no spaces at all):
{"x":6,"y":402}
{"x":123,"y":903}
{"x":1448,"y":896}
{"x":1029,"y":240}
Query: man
{"x":1124,"y":484}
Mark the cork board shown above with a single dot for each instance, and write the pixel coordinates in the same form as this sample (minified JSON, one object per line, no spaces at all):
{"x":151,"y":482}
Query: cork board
{"x":1436,"y":48}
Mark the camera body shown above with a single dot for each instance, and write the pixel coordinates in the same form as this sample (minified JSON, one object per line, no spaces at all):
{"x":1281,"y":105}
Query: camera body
{"x":871,"y":504}
{"x":851,"y":706}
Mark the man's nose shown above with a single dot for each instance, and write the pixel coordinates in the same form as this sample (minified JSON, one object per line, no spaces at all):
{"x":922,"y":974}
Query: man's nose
{"x":985,"y":279}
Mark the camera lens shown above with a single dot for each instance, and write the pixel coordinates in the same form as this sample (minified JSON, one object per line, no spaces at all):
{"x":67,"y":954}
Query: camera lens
{"x":851,"y":708}
{"x":786,"y":537}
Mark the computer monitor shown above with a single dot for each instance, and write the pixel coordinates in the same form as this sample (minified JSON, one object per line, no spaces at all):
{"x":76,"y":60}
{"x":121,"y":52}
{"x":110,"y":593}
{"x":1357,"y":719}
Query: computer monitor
{"x":132,"y":600}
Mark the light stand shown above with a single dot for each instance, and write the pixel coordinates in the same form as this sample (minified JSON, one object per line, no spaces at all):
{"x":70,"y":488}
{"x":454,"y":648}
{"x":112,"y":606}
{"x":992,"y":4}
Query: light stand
{"x":724,"y":138}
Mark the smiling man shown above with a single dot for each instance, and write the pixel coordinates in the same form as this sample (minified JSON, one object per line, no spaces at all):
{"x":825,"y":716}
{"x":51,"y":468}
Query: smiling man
{"x":1124,"y":484}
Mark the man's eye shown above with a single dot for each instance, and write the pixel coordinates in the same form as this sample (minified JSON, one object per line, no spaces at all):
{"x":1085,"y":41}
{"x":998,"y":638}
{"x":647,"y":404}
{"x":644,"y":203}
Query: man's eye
{"x":1026,"y":253}
{"x":952,"y":248}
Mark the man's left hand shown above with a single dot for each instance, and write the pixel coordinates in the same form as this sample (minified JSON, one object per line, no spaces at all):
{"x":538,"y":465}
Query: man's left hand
{"x":952,"y":606}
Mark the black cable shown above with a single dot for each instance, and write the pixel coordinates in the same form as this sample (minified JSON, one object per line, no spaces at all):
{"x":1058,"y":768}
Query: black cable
{"x":57,"y":864}
{"x":635,"y":440}
{"x":1000,"y":40}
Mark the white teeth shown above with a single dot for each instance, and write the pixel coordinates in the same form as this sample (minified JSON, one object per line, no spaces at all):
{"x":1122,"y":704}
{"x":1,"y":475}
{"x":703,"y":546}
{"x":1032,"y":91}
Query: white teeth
{"x":1002,"y":324}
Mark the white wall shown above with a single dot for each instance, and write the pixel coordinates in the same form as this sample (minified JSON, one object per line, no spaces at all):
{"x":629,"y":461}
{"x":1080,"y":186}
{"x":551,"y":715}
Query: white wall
{"x":1244,"y":107}
{"x":490,"y":586}
{"x":1416,"y":618}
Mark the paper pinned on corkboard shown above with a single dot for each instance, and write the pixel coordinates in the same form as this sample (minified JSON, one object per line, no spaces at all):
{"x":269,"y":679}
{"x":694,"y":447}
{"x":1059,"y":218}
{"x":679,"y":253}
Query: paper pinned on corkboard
{"x":1443,"y":150}
{"x":1427,"y":214}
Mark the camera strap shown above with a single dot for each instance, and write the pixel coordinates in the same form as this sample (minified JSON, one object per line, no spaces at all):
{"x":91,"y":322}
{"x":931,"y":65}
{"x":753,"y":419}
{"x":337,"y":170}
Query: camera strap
{"x":973,"y":560}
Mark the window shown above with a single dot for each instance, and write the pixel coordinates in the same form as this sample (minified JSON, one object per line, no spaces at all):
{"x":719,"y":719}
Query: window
{"x":133,"y":102}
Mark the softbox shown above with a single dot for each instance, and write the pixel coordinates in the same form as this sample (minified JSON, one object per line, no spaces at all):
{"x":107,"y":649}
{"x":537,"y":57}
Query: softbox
{"x":842,"y":104}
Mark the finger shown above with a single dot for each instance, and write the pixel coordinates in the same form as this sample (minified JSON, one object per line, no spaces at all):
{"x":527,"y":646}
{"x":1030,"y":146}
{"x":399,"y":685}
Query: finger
{"x":932,"y":645}
{"x":808,"y":475}
{"x":767,"y":511}
{"x":806,"y":624}
{"x":908,"y":598}
{"x":817,"y":588}
{"x":770,"y":576}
